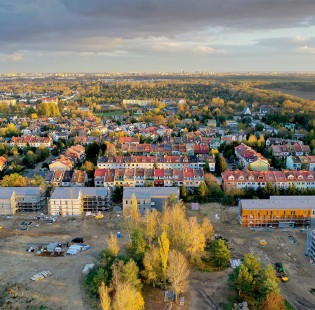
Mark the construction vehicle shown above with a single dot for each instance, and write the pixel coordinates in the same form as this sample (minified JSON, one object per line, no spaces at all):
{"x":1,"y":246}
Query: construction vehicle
{"x":1,"y":227}
{"x":99,"y":216}
{"x":281,"y":272}
{"x":263,"y":242}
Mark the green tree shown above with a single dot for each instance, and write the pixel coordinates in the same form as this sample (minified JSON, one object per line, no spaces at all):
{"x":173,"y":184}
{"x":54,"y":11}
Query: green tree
{"x":137,"y":247}
{"x":221,"y":253}
{"x":207,"y":166}
{"x":244,"y":281}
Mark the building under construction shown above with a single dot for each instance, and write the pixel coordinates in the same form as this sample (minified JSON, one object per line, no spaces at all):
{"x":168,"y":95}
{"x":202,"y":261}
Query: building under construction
{"x":278,"y":211}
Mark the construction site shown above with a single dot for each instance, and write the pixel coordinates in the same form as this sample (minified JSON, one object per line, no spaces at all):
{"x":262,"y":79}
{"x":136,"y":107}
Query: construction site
{"x":36,"y":270}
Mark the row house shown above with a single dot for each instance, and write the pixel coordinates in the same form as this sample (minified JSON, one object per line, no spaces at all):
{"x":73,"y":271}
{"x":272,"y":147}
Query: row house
{"x":70,"y":178}
{"x":161,"y":162}
{"x":285,"y":179}
{"x":248,"y":156}
{"x":300,"y":162}
{"x":281,"y":141}
{"x":32,"y":141}
{"x":140,"y":177}
{"x":86,"y":140}
{"x":284,"y":150}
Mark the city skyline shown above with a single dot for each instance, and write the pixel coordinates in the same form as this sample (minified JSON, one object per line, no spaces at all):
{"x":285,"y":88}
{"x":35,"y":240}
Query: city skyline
{"x":138,"y":36}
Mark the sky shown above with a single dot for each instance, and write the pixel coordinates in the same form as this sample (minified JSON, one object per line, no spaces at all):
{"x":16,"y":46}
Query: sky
{"x":160,"y":35}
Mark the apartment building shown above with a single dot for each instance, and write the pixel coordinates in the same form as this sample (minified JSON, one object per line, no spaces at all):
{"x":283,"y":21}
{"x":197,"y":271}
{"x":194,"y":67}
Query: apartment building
{"x":149,"y":198}
{"x":255,"y":179}
{"x":279,"y":211}
{"x":8,"y":203}
{"x":76,"y":200}
{"x":21,"y":199}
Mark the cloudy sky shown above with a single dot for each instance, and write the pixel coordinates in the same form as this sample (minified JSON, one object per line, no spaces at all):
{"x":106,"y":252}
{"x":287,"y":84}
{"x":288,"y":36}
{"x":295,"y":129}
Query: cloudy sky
{"x":160,"y":35}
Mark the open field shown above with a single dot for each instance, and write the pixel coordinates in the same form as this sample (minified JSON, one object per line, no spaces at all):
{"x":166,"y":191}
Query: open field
{"x":298,"y":93}
{"x":63,"y":290}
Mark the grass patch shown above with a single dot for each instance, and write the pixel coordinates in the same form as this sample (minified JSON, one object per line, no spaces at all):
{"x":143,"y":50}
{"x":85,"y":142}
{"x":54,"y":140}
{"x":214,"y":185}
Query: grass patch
{"x":288,"y":305}
{"x":110,"y":113}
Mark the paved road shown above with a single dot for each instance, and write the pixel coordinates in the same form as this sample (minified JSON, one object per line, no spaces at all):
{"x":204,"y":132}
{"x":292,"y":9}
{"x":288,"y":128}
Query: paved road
{"x":30,"y":173}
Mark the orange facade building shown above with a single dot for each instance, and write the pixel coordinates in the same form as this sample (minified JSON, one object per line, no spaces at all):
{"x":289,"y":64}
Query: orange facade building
{"x":278,"y":211}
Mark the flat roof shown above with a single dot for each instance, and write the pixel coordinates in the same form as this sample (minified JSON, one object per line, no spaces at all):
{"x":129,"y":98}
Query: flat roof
{"x":147,"y":192}
{"x":65,"y":193}
{"x":273,"y":204}
{"x":94,"y":191}
{"x":23,"y":191}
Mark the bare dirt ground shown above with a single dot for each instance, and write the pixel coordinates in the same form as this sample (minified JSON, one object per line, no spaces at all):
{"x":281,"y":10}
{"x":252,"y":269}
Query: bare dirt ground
{"x":63,"y":289}
{"x":244,"y":240}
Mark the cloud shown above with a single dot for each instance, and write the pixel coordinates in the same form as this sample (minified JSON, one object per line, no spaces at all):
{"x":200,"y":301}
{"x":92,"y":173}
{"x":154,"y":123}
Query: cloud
{"x":145,"y":29}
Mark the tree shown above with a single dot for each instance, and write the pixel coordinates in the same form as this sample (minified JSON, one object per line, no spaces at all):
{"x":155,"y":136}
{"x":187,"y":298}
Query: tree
{"x":243,"y":281}
{"x":127,"y":298}
{"x":164,"y":247}
{"x":137,"y":247}
{"x":252,"y":263}
{"x":175,"y":224}
{"x":183,"y":192}
{"x":273,"y":301}
{"x":177,"y":272}
{"x":252,"y":140}
{"x":207,"y":229}
{"x":130,"y":272}
{"x":196,"y":240}
{"x":112,"y":244}
{"x":220,"y":164}
{"x":206,"y":167}
{"x":202,"y":191}
{"x":117,"y":194}
{"x":152,"y":266}
{"x":104,"y":297}
{"x":88,"y":166}
{"x":92,"y":150}
{"x":151,"y":224}
{"x":34,"y":116}
{"x":221,"y":253}
{"x":132,"y":214}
